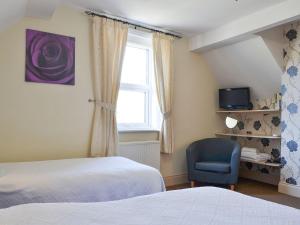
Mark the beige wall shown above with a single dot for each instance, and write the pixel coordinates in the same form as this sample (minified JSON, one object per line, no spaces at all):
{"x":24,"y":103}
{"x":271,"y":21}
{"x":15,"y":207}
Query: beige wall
{"x":275,"y":41}
{"x":42,"y":121}
{"x":194,"y":106}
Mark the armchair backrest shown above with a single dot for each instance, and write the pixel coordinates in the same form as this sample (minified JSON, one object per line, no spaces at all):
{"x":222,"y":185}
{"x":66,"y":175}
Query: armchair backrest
{"x":213,"y":149}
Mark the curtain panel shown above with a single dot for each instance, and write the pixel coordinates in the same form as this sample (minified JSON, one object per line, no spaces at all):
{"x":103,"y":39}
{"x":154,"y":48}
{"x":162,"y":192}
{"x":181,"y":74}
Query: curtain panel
{"x":163,"y":69}
{"x":109,"y":43}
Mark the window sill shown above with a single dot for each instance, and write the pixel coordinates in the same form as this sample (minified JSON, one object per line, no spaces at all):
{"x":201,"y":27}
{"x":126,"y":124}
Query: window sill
{"x":138,"y":131}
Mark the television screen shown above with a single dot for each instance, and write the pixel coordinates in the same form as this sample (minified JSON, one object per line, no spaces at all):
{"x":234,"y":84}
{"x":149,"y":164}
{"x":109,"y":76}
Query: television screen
{"x":234,"y":98}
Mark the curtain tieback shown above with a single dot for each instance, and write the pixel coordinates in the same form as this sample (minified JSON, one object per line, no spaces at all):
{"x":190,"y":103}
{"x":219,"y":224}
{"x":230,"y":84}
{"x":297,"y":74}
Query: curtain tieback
{"x":167,"y":115}
{"x":106,"y":106}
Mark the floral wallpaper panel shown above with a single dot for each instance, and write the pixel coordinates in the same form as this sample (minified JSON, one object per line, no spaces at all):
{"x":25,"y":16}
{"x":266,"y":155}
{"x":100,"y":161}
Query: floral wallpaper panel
{"x":290,"y":117}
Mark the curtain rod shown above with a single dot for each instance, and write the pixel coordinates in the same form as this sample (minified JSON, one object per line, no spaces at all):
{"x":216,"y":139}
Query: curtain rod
{"x":90,"y":13}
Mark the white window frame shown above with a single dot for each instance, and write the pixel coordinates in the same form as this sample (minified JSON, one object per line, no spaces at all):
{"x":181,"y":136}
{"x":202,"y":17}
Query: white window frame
{"x":141,"y":40}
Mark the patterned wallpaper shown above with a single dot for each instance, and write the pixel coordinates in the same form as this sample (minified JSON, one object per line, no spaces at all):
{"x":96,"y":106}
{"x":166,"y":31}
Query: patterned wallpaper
{"x":290,"y":117}
{"x":260,"y":124}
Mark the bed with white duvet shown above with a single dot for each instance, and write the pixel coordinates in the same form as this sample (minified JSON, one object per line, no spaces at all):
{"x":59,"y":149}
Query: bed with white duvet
{"x":198,"y":206}
{"x":76,"y":180}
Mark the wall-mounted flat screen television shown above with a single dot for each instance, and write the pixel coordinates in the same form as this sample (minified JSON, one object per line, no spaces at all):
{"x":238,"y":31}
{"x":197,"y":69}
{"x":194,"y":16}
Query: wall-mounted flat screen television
{"x":234,"y":98}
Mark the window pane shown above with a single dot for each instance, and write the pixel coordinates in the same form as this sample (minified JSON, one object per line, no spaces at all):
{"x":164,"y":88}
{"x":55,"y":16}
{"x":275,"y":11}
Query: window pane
{"x":134,"y":69}
{"x":131,"y":107}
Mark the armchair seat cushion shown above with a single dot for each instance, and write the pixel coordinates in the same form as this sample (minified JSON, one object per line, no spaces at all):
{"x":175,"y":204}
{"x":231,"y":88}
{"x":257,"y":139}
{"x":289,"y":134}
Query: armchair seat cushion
{"x":216,"y":167}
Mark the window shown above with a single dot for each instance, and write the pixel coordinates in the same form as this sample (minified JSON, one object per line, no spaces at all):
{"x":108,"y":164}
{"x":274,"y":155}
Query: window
{"x":137,"y":107}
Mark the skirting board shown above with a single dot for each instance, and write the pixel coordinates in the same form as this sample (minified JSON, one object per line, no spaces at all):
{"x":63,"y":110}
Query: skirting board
{"x":293,"y":190}
{"x":176,"y":180}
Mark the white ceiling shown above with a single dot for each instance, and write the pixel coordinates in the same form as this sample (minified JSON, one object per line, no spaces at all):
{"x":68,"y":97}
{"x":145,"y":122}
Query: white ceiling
{"x":188,"y":17}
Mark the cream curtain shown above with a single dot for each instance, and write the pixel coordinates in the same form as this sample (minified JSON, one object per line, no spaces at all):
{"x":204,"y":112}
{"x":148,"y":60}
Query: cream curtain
{"x":163,"y":69}
{"x":109,"y":42}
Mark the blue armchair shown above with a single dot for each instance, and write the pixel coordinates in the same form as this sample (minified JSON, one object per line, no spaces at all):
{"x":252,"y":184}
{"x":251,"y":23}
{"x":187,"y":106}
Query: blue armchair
{"x":214,"y":160}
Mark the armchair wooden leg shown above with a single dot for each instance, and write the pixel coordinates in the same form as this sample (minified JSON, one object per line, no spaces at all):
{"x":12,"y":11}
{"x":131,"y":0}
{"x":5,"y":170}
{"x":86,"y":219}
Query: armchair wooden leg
{"x":192,"y":184}
{"x":231,"y":187}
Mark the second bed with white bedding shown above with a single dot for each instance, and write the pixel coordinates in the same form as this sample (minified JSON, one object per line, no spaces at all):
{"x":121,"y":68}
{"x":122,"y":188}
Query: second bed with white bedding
{"x":198,"y":206}
{"x":76,"y":180}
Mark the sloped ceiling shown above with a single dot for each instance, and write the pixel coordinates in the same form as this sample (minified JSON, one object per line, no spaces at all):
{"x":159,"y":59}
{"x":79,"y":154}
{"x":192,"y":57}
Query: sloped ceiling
{"x":249,"y":63}
{"x":41,"y":8}
{"x":11,"y":11}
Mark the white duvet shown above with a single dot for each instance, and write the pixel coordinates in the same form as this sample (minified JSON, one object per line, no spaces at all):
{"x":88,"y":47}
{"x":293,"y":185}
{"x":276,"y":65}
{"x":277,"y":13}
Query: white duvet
{"x":76,"y":180}
{"x":198,"y":206}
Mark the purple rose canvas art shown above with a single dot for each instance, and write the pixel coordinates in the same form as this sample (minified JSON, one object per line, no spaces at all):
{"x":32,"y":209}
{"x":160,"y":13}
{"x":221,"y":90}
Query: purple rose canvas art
{"x":50,"y":58}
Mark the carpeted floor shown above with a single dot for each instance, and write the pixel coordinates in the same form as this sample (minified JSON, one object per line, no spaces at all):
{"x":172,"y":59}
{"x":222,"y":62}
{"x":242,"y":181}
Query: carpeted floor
{"x":258,"y":190}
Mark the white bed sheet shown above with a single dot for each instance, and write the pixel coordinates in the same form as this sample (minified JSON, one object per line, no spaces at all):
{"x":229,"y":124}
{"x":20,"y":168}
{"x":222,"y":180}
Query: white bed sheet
{"x":198,"y":206}
{"x":76,"y":180}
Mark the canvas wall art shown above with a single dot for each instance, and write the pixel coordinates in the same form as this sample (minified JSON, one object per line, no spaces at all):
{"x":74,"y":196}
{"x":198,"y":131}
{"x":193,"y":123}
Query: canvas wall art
{"x":50,"y":58}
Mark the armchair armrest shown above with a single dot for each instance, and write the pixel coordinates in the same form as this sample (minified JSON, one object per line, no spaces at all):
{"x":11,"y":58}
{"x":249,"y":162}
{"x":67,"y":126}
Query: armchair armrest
{"x":192,"y":156}
{"x":235,"y":160}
